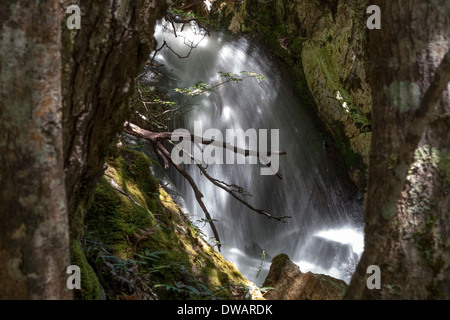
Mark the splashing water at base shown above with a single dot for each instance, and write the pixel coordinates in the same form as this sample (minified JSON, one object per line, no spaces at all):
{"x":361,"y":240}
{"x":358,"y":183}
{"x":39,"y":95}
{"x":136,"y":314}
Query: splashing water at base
{"x":325,"y":233}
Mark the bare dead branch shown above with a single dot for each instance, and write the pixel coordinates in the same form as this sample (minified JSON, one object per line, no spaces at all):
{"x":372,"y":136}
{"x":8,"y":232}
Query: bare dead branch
{"x":156,"y":139}
{"x":157,"y":50}
{"x":198,"y":196}
{"x":228,"y":146}
{"x":186,"y":6}
{"x":234,"y":193}
{"x":153,"y":137}
{"x":176,"y":19}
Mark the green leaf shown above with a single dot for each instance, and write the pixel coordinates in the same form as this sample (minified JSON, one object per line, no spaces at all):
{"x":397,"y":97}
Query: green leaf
{"x":265,"y":289}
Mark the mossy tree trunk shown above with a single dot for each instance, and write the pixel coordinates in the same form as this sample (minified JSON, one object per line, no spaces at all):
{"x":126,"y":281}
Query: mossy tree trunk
{"x":34,"y":232}
{"x":408,"y":202}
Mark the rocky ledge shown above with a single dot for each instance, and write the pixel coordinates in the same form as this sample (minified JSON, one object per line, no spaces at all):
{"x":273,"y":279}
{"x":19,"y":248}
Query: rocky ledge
{"x":291,"y":284}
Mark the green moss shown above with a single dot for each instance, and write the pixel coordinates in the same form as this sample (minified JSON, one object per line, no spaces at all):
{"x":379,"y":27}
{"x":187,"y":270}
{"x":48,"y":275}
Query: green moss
{"x":300,"y":50}
{"x":90,"y":286}
{"x":297,"y":45}
{"x":322,"y":56}
{"x":224,"y":278}
{"x":130,"y":216}
{"x":271,"y":22}
{"x":131,"y":169}
{"x":113,"y":219}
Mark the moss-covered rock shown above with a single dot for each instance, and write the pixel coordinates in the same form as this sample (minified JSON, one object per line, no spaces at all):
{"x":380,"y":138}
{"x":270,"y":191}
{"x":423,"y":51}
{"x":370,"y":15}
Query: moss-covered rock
{"x":90,"y":286}
{"x":322,"y":42}
{"x":142,"y":246}
{"x":291,"y":284}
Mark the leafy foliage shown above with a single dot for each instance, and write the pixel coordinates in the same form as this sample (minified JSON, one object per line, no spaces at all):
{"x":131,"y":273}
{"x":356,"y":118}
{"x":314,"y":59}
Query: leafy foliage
{"x":202,"y":87}
{"x":147,"y":103}
{"x":199,"y":88}
{"x":188,"y":15}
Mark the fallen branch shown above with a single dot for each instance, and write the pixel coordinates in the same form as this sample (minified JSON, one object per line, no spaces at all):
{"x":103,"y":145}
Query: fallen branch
{"x":173,"y":20}
{"x":235,"y":193}
{"x":198,"y":196}
{"x":157,"y":138}
{"x":223,"y":186}
{"x":177,"y":19}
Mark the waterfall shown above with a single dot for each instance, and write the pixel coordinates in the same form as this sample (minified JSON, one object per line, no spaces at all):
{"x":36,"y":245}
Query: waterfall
{"x":325,"y":231}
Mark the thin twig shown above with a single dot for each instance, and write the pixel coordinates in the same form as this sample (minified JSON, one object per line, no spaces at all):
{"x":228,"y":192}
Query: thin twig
{"x":238,"y":190}
{"x":156,"y":139}
{"x":221,"y":185}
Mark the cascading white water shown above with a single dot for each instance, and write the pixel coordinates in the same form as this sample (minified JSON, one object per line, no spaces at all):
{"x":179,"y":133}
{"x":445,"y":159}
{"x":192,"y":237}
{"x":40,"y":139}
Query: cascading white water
{"x":325,"y":233}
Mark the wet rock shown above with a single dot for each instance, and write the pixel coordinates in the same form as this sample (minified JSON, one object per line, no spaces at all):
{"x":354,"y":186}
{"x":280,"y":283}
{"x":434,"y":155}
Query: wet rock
{"x":291,"y":284}
{"x":327,"y":41}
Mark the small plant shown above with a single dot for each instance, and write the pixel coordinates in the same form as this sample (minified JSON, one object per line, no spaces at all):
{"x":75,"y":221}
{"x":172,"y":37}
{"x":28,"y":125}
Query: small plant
{"x":198,"y":232}
{"x":264,"y":290}
{"x":132,"y":274}
{"x":165,"y":103}
{"x":215,"y":242}
{"x":187,"y":16}
{"x":188,"y":289}
{"x":263,"y":257}
{"x":142,"y":234}
{"x":199,"y":88}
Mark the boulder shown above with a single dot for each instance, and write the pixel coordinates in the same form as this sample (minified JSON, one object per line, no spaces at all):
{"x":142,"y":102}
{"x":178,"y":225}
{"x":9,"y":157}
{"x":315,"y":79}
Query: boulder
{"x":291,"y":284}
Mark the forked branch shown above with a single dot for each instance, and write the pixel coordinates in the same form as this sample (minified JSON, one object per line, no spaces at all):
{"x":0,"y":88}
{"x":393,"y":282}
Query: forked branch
{"x":234,"y":190}
{"x":157,"y":138}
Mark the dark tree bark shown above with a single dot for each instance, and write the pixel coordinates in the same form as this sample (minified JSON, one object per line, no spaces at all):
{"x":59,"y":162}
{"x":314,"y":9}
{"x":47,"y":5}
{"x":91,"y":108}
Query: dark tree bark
{"x":100,"y":63}
{"x":408,"y":203}
{"x":64,"y":96}
{"x":34,"y":233}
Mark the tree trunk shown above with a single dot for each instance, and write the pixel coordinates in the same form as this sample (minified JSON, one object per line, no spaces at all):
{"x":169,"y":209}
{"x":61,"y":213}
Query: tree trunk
{"x":64,"y":96}
{"x":34,"y":237}
{"x":100,"y":62}
{"x":408,"y":204}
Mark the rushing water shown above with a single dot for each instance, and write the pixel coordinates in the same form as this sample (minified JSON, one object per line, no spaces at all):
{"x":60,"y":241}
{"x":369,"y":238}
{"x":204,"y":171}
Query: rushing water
{"x":325,"y":233}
